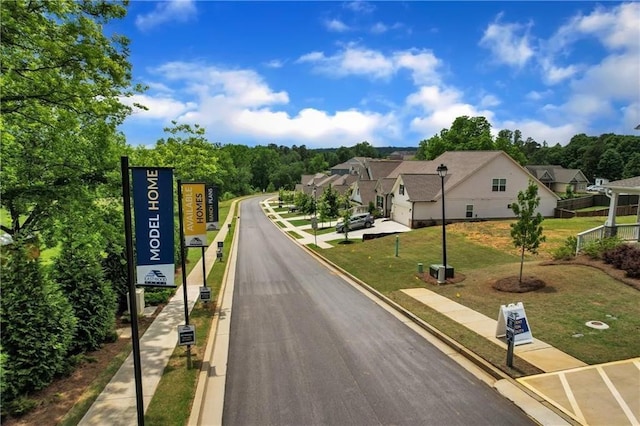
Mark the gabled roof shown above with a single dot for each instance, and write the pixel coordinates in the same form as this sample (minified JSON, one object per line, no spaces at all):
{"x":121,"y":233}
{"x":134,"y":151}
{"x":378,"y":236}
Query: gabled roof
{"x":377,"y":169}
{"x":412,"y":167}
{"x":367,"y":190}
{"x":423,"y":187}
{"x":630,"y":185}
{"x":557,"y":174}
{"x":385,"y":186}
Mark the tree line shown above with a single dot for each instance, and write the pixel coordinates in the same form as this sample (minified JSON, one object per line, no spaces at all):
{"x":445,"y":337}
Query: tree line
{"x":63,"y":81}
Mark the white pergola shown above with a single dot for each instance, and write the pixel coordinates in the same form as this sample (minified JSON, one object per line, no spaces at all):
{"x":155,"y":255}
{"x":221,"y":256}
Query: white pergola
{"x":614,"y":190}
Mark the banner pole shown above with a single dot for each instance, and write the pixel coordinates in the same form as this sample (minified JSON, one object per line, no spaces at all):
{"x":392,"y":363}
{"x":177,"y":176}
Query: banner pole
{"x":183,"y":262}
{"x":204,"y":269}
{"x":133,"y":309}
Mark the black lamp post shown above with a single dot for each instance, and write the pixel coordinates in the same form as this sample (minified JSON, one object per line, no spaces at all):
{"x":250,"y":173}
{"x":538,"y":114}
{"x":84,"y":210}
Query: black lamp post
{"x":442,"y":172}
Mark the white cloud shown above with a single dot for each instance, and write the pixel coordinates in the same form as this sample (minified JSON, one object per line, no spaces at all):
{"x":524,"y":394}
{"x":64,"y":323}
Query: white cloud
{"x":536,"y":96}
{"x":440,"y":107}
{"x":543,"y":132}
{"x":355,"y":60}
{"x":489,"y":101}
{"x":336,"y":25}
{"x":167,"y":11}
{"x":274,"y":63}
{"x":359,"y":6}
{"x":160,"y":107}
{"x":509,"y":43}
{"x":379,"y":28}
{"x":239,"y":104}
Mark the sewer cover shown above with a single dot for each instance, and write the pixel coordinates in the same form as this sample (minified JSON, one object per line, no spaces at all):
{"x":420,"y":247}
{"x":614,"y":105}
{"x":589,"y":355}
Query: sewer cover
{"x":598,"y":325}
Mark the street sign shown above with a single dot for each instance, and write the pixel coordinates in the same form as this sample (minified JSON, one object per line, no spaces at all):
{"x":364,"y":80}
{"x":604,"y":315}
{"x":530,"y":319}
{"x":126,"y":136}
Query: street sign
{"x":186,"y":335}
{"x":205,"y":294}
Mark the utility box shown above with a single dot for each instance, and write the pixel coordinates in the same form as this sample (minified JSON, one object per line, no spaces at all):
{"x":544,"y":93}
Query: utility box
{"x":139,"y":301}
{"x":441,"y":272}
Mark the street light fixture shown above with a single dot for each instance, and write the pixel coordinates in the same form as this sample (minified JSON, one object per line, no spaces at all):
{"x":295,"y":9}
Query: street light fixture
{"x":448,"y":272}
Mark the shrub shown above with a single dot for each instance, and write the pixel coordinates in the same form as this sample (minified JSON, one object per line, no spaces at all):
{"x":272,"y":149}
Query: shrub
{"x":595,"y":249}
{"x":78,"y":271}
{"x":566,"y":251}
{"x":618,"y":255}
{"x":37,"y":326}
{"x":158,"y":296}
{"x":631,"y":264}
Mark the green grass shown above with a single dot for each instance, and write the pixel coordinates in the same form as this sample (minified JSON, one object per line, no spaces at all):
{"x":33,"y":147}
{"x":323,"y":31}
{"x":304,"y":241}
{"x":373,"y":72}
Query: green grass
{"x":295,"y":235}
{"x":574,"y":294}
{"x":172,"y":401}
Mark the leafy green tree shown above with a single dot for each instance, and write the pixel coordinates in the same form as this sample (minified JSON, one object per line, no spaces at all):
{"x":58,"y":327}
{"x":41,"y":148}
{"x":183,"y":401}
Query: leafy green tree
{"x":468,"y":134}
{"x":60,"y":100}
{"x":332,"y":200}
{"x":632,"y":168}
{"x":317,"y":164}
{"x":344,"y":154}
{"x":526,"y":232}
{"x":37,"y":324}
{"x":78,"y":271}
{"x":264,"y":163}
{"x":365,"y":149}
{"x":429,"y":149}
{"x":611,"y":165}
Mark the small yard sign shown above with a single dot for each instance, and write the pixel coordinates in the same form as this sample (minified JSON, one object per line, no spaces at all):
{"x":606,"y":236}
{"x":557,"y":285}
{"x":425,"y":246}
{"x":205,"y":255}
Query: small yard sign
{"x":512,"y":319}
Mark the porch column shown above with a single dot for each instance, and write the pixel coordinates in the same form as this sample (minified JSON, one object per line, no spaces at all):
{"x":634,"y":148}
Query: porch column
{"x":610,"y":228}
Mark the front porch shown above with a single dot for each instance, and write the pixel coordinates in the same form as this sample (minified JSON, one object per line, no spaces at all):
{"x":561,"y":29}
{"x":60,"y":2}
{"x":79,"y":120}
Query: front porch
{"x":626,"y":232}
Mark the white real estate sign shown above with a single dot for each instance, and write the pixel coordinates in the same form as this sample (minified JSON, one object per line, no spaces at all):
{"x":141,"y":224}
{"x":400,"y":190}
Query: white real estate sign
{"x":519,"y":324}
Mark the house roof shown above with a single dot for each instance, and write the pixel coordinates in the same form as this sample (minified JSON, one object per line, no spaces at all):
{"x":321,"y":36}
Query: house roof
{"x":557,"y":173}
{"x":377,"y":169}
{"x":412,"y":167}
{"x":367,"y":190}
{"x":423,"y":187}
{"x":385,"y":185}
{"x":630,"y":185}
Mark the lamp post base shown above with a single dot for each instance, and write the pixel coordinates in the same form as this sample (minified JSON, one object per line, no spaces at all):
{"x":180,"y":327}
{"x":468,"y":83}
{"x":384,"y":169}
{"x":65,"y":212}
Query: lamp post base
{"x":441,"y":272}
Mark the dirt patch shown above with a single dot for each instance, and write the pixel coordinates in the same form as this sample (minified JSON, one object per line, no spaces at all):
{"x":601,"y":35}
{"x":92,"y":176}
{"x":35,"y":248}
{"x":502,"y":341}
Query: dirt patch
{"x":58,"y":398}
{"x":515,"y":285}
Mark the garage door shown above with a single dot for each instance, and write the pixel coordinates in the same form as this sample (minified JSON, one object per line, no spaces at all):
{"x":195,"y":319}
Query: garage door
{"x":401,"y":214}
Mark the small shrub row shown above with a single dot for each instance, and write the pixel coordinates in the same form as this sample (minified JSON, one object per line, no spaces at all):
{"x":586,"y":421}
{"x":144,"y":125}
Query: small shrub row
{"x":595,"y":249}
{"x":625,"y":257}
{"x":567,"y":251}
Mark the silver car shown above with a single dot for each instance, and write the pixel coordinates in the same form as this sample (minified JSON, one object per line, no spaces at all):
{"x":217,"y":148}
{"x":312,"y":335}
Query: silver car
{"x":357,"y":221}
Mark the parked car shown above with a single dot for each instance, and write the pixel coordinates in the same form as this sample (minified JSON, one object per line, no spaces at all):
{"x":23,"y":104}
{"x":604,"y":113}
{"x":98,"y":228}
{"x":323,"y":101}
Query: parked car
{"x":357,"y":221}
{"x":595,"y":188}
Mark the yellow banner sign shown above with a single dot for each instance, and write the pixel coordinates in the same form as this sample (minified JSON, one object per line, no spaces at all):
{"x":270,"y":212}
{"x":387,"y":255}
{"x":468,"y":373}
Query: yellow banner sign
{"x":194,"y":218}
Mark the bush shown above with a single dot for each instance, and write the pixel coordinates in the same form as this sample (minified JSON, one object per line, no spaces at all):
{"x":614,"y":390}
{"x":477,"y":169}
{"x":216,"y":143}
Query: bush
{"x":631,"y":264}
{"x":78,"y":271}
{"x":595,"y":249}
{"x":567,"y":251}
{"x":37,"y":324}
{"x":618,"y":255}
{"x":158,"y":296}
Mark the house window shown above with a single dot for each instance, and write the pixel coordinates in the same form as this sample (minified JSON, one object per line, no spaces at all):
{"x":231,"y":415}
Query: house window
{"x":401,"y":190}
{"x":469,"y":210}
{"x":379,"y":201}
{"x":499,"y":185}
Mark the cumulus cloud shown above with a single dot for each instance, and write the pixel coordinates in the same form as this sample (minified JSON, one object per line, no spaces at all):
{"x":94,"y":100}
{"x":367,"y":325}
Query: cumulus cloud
{"x":167,"y":11}
{"x":359,"y":6}
{"x":509,"y":43}
{"x":160,"y":107}
{"x":541,"y":131}
{"x":360,"y":61}
{"x":274,"y":63}
{"x":240,"y":104}
{"x":336,"y":25}
{"x":439,"y":107}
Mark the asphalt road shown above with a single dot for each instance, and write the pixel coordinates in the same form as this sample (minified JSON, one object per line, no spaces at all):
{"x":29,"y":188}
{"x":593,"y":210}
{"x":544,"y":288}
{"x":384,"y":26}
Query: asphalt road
{"x":307,"y":348}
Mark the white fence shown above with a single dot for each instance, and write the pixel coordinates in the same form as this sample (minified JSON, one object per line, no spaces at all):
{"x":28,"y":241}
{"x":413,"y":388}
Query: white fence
{"x":626,"y":232}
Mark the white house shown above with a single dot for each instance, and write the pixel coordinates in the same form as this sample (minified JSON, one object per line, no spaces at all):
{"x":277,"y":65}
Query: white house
{"x":478,"y":185}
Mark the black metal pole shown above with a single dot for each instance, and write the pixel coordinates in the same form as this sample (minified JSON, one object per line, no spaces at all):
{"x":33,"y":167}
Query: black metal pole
{"x":133,"y":309}
{"x":183,"y":263}
{"x":444,"y":232}
{"x":204,"y":269}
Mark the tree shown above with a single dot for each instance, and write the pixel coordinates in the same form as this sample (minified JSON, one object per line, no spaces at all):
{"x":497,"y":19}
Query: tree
{"x":611,"y":165}
{"x":468,"y":134}
{"x":364,"y":149}
{"x":526,"y":232}
{"x":37,"y":324}
{"x":632,"y":168}
{"x":60,"y":100}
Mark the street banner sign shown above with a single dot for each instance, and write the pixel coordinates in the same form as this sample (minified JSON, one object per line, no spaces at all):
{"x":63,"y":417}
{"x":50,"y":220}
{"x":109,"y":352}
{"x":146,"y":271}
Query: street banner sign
{"x":153,"y":210}
{"x":186,"y":335}
{"x":193,"y":215}
{"x":212,"y":207}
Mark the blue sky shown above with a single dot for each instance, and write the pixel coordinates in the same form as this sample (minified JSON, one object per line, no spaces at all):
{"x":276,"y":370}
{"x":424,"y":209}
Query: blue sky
{"x":330,"y":74}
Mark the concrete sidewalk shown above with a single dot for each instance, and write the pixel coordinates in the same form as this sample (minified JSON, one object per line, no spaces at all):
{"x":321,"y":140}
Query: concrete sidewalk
{"x":116,"y":405}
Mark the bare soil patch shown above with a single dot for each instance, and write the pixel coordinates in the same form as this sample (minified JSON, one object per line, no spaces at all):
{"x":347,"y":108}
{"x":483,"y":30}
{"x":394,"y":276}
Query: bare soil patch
{"x":515,"y":285}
